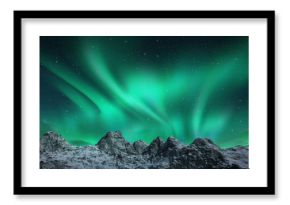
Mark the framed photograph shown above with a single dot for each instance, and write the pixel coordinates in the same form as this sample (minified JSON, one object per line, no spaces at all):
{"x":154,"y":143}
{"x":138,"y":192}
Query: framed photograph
{"x":144,"y":102}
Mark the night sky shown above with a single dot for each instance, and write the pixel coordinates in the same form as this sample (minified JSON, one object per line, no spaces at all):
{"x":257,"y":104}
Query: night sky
{"x":145,"y":86}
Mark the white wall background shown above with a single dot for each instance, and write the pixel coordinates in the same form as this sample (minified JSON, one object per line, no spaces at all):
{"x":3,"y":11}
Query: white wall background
{"x":282,"y":98}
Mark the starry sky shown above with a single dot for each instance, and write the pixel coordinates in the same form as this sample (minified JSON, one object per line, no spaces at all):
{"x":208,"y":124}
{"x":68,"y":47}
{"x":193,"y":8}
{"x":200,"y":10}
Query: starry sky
{"x":145,"y":86}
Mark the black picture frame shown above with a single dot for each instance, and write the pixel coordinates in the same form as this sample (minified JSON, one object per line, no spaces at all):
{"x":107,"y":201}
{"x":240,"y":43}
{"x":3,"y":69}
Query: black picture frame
{"x":268,"y":190}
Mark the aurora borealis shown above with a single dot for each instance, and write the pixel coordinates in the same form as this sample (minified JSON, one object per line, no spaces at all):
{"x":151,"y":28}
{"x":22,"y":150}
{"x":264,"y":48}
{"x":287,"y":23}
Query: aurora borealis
{"x":145,"y":86}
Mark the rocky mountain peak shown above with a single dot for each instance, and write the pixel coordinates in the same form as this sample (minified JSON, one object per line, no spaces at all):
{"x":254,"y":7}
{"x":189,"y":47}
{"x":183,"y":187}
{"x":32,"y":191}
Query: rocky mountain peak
{"x":155,"y":147}
{"x":112,"y":137}
{"x":158,"y":140}
{"x":113,"y":134}
{"x":52,"y":142}
{"x":204,"y":142}
{"x":171,"y":142}
{"x":139,"y":146}
{"x":114,"y":142}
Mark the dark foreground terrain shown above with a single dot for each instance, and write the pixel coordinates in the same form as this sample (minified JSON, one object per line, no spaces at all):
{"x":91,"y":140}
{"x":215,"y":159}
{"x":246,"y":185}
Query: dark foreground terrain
{"x":114,"y":152}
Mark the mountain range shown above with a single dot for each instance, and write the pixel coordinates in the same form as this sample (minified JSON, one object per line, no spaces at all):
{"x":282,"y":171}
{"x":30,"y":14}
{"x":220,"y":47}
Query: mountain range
{"x":114,"y":152}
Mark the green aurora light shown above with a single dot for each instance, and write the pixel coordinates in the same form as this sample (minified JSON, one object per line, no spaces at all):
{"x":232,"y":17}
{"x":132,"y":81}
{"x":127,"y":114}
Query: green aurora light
{"x":145,"y":86}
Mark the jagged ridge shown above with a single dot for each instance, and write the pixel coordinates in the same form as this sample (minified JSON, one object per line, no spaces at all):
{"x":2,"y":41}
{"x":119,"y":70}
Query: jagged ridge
{"x":114,"y":152}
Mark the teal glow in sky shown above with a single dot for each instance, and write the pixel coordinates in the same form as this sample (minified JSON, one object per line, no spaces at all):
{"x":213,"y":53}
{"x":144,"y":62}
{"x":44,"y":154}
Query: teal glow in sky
{"x":145,"y":86}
